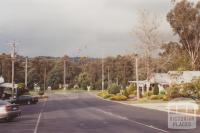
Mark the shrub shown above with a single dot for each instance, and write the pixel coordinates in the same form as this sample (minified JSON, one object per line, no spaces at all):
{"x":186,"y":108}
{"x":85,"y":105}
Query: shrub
{"x":131,"y":88}
{"x":118,"y":97}
{"x":173,"y":91}
{"x":113,"y":89}
{"x":148,"y":94}
{"x":154,"y":97}
{"x":165,"y":98}
{"x":162,"y":93}
{"x":41,"y":93}
{"x":104,"y":94}
{"x":125,"y":93}
{"x":21,"y":86}
{"x":155,"y":89}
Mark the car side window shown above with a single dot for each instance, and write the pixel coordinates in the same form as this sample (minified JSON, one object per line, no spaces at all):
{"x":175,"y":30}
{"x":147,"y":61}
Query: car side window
{"x":21,"y":98}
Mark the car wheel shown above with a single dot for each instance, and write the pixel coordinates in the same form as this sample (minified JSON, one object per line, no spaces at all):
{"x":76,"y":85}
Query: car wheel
{"x":9,"y":119}
{"x":29,"y":102}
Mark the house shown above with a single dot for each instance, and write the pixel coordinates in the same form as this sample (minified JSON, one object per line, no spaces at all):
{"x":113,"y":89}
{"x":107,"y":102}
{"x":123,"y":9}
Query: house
{"x":165,"y":80}
{"x":1,"y":89}
{"x":5,"y":87}
{"x":1,"y":80}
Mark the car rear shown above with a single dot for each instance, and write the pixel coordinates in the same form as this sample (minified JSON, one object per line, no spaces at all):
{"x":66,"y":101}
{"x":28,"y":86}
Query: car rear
{"x":9,"y":111}
{"x":35,"y":100}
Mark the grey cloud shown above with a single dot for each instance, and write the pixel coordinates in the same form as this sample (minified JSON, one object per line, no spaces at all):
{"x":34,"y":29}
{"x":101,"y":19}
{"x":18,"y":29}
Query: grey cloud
{"x":51,"y":27}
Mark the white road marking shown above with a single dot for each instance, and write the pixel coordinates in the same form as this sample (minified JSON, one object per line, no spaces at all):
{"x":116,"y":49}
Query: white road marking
{"x":39,"y":117}
{"x":133,"y":121}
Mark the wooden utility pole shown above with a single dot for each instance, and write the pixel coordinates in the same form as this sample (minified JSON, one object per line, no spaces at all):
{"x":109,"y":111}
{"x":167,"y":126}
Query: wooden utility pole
{"x":64,"y":74}
{"x":137,"y":77}
{"x":108,"y":75}
{"x":45,"y":76}
{"x":124,"y":75}
{"x":26,"y":73}
{"x":13,"y":54}
{"x":102,"y":74}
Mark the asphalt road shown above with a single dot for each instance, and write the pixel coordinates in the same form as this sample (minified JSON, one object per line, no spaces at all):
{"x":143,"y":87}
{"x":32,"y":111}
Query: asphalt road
{"x":85,"y":113}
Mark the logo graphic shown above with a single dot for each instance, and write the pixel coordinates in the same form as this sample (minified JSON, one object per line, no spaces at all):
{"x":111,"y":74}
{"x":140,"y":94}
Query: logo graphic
{"x":182,"y":113}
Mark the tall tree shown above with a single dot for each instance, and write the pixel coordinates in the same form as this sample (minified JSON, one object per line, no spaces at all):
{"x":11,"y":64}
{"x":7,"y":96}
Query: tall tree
{"x":147,"y":31}
{"x":170,"y":58}
{"x":184,"y":19}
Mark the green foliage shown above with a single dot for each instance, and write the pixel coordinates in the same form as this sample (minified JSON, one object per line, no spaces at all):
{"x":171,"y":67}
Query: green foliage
{"x":41,"y":93}
{"x":162,"y":93}
{"x":155,"y":89}
{"x":104,"y":94}
{"x":83,"y":80}
{"x":148,"y":94}
{"x":175,"y":62}
{"x":165,"y":98}
{"x":189,"y":90}
{"x":114,"y":89}
{"x":55,"y":78}
{"x":131,"y":88}
{"x":21,"y":86}
{"x":155,"y":97}
{"x":125,"y":93}
{"x":173,"y":91}
{"x":184,"y":19}
{"x":118,"y":97}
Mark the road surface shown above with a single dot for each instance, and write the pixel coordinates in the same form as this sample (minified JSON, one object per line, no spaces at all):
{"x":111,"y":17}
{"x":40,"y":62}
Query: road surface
{"x":85,"y":113}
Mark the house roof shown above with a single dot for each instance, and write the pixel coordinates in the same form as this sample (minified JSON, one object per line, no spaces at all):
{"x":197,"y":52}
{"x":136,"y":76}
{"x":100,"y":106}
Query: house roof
{"x":183,"y":76}
{"x":176,"y":77}
{"x":160,"y":78}
{"x":7,"y":85}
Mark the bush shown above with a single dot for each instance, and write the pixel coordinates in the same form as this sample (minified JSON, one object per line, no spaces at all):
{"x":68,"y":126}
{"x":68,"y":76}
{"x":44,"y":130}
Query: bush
{"x":114,"y":89}
{"x":21,"y":86}
{"x":104,"y":94}
{"x":165,"y":98}
{"x":41,"y":93}
{"x":162,"y":93}
{"x":148,"y":94}
{"x":125,"y":93}
{"x":173,"y":92}
{"x":118,"y":97}
{"x":131,"y":88}
{"x":188,"y":90}
{"x":155,"y":97}
{"x":155,"y":89}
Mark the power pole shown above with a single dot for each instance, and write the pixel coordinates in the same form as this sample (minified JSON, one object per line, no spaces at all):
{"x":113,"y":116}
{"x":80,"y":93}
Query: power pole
{"x":108,"y":75}
{"x":13,"y":66}
{"x":102,"y":74}
{"x":45,"y":75}
{"x":64,"y":75}
{"x":124,"y":75}
{"x":26,"y":72}
{"x":137,"y":77}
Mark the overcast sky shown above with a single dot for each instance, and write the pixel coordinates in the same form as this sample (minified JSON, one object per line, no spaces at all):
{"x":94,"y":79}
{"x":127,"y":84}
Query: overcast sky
{"x":75,"y":27}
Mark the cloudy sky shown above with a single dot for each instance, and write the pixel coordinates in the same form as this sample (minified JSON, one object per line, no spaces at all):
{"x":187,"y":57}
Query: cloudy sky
{"x":75,"y":27}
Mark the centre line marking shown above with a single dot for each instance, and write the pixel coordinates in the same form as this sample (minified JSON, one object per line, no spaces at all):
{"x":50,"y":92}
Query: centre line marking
{"x":39,"y":117}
